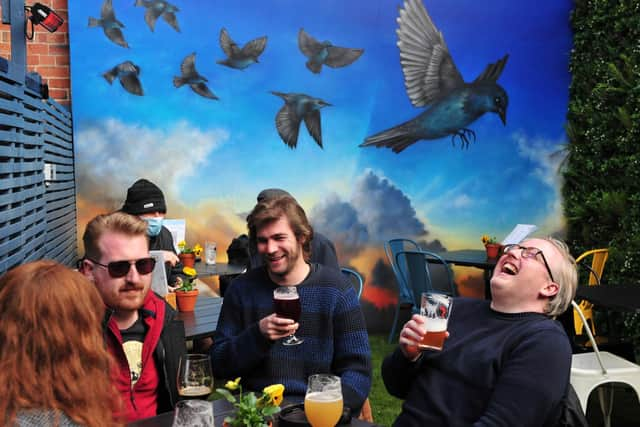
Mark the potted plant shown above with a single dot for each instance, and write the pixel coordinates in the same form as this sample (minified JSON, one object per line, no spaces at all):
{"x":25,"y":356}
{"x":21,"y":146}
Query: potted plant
{"x":250,"y":410}
{"x":187,"y":294}
{"x":491,"y":245}
{"x":188,"y":254}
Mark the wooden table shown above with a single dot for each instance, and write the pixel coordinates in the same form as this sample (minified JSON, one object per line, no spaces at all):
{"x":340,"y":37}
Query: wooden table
{"x":218,"y":269}
{"x":221,"y":409}
{"x":203,"y":321}
{"x":473,"y":258}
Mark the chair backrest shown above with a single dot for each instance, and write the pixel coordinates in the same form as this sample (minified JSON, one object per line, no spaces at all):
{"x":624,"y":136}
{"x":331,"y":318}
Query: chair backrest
{"x":594,"y":345}
{"x":425,"y":271}
{"x":391,"y":248}
{"x":355,"y":278}
{"x":597,"y":264}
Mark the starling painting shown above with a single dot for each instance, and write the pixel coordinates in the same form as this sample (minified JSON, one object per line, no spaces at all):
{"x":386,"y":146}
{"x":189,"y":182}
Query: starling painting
{"x":298,"y":107}
{"x":325,"y":52}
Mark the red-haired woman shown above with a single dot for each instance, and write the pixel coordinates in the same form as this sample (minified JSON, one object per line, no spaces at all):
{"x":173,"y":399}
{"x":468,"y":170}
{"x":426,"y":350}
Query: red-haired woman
{"x":54,"y":366}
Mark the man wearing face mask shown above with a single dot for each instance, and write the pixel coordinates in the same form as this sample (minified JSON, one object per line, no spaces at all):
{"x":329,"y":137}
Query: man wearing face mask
{"x":146,"y":200}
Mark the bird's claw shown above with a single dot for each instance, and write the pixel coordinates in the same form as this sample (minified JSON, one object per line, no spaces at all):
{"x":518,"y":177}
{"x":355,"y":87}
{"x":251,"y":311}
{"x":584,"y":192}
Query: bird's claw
{"x":463,"y":134}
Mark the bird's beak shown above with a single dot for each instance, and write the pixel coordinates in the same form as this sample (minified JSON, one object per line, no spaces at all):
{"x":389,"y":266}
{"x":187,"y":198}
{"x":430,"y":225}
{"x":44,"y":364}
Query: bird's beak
{"x":503,"y":116}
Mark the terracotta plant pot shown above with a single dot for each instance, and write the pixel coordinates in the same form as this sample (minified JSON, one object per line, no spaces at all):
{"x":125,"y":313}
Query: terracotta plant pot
{"x":493,"y":250}
{"x":188,"y":260}
{"x":187,"y":299}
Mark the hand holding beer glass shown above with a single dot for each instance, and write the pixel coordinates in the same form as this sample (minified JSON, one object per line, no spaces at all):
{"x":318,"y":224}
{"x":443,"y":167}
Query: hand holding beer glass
{"x":286,"y":302}
{"x":436,"y":308}
{"x":323,"y":401}
{"x":195,"y":380}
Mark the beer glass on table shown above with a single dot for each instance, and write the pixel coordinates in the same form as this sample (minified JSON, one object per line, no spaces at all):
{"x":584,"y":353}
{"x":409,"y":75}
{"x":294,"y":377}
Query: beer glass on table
{"x":436,"y":308}
{"x":195,"y":380}
{"x":323,"y":401}
{"x":286,"y":302}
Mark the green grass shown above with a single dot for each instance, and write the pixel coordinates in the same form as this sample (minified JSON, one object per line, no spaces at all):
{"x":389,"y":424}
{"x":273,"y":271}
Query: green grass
{"x":385,"y":408}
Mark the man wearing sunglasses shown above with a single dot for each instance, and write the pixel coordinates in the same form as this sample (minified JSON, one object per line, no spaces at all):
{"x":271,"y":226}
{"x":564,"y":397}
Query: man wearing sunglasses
{"x":140,"y":331}
{"x":505,"y":361}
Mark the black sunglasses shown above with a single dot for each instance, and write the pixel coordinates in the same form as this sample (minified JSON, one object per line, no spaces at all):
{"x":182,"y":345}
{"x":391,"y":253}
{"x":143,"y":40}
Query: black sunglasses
{"x":530,"y":253}
{"x":121,"y":268}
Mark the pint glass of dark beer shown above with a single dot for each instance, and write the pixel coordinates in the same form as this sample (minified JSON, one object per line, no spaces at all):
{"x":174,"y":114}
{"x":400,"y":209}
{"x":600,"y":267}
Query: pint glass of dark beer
{"x":436,"y":308}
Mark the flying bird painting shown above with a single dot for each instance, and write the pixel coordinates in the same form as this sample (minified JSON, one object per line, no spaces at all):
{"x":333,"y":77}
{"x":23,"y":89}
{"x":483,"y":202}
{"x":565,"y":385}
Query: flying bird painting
{"x":298,"y":107}
{"x":432,"y":79}
{"x":127,"y":72}
{"x":189,"y":76}
{"x":157,"y":8}
{"x":240,"y":58}
{"x":325,"y":52}
{"x":110,"y":25}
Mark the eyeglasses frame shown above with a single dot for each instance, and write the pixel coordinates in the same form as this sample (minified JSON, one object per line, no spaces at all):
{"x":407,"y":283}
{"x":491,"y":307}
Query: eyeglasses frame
{"x":508,"y":248}
{"x":130,"y":262}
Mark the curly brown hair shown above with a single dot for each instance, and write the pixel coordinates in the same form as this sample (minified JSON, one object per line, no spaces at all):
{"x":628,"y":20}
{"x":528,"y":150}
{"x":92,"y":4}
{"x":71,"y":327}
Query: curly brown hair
{"x":52,"y":353}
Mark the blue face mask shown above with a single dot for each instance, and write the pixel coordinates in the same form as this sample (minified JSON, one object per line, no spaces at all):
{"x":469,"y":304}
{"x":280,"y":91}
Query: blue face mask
{"x":154,"y":225}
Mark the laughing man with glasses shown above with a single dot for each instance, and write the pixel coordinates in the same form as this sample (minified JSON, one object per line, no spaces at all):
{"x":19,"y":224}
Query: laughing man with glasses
{"x":505,"y":361}
{"x":140,"y":330}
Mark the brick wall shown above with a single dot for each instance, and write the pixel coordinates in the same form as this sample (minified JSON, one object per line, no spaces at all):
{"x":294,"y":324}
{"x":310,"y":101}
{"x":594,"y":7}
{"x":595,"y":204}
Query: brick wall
{"x":47,"y":53}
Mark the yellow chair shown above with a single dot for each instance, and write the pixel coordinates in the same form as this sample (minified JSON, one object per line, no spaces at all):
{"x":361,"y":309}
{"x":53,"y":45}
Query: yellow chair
{"x":597,"y":266}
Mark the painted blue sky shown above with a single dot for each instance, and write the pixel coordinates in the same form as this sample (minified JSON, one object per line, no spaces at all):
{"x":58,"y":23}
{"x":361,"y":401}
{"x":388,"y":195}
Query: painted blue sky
{"x":218,"y":155}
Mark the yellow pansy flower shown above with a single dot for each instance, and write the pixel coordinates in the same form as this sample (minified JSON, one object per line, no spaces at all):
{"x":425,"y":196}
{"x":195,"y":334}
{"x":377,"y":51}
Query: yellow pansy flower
{"x":233,"y":385}
{"x":189,"y":271}
{"x":275,"y":392}
{"x":197,"y":249}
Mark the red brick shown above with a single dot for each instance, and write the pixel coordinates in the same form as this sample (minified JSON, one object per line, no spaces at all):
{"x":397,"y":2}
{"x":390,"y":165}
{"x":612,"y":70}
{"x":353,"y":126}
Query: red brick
{"x":54,"y":71}
{"x":61,"y":59}
{"x":59,"y":49}
{"x":59,"y":83}
{"x":58,"y":94}
{"x":37,"y":49}
{"x":46,"y":60}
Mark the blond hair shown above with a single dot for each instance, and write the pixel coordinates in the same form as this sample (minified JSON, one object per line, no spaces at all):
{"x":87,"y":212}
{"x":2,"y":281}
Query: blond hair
{"x":566,"y":277}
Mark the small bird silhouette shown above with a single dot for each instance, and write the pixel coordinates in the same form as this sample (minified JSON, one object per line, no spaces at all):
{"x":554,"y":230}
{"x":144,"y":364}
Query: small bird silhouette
{"x":110,"y":25}
{"x":127,"y":72}
{"x":431,"y":78}
{"x":325,"y":53}
{"x":240,"y":58}
{"x":298,"y":107}
{"x":191,"y":77}
{"x":157,"y":8}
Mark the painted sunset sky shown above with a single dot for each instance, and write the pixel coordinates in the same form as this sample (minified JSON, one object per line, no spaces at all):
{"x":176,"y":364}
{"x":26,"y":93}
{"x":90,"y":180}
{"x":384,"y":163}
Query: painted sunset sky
{"x":212,"y":157}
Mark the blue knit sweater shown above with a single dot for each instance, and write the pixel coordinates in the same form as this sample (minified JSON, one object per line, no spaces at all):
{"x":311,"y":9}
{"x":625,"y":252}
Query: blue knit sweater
{"x":332,"y":325}
{"x":495,"y":369}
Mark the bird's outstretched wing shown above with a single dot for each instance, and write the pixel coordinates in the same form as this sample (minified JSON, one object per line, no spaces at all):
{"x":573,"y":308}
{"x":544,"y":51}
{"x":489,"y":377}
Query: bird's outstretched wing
{"x":116,"y":36}
{"x":288,"y":125}
{"x":429,"y":72}
{"x":312,"y":120}
{"x":188,"y":66}
{"x":171,"y":19}
{"x":342,"y":56}
{"x":255,"y":47}
{"x":106,"y":11}
{"x":307,"y":44}
{"x":111,"y":75}
{"x":493,"y":71}
{"x":150,"y":17}
{"x":202,"y":90}
{"x":131,"y":83}
{"x":228,"y":46}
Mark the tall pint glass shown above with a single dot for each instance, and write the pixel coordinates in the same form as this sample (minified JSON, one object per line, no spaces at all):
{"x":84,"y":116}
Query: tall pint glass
{"x":436,"y":308}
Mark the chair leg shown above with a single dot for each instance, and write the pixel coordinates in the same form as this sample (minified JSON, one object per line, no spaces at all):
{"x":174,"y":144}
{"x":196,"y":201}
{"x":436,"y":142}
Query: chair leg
{"x":393,"y":326}
{"x":606,"y":406}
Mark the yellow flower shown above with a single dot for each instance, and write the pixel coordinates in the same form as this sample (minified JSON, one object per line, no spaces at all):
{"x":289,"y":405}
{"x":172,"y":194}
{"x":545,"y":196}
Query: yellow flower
{"x":486,"y":239}
{"x":182,"y":244}
{"x":233,"y":385}
{"x":275,"y":392}
{"x":189,"y":271}
{"x":197,"y":249}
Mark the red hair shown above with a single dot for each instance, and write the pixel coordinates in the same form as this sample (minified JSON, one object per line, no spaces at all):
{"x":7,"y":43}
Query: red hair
{"x":52,"y":352}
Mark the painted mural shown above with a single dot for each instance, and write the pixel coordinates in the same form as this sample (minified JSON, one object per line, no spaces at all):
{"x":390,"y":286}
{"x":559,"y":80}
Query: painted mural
{"x":437,"y":120}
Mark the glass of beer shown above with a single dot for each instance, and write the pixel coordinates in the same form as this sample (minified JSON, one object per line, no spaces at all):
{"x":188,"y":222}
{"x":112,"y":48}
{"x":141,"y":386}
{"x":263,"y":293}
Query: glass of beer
{"x":436,"y":308}
{"x":195,"y":380}
{"x":286,"y":302}
{"x":323,"y":401}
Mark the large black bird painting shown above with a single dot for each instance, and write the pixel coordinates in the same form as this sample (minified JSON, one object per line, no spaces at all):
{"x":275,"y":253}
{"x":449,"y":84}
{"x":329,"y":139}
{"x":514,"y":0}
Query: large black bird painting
{"x":432,"y":79}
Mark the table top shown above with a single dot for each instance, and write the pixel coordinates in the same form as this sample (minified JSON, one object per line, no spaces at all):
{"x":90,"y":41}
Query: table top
{"x":218,"y":269}
{"x":616,"y":297}
{"x":469,"y":258}
{"x":221,"y":409}
{"x":203,"y":321}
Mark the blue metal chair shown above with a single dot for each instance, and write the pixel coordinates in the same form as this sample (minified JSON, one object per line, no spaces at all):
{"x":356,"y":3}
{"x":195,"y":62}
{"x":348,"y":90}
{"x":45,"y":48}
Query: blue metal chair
{"x":355,"y":278}
{"x":424,"y":271}
{"x":405,"y":297}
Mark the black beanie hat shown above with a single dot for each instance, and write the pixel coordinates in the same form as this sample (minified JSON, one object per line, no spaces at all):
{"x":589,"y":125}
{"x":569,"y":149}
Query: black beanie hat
{"x":144,"y":197}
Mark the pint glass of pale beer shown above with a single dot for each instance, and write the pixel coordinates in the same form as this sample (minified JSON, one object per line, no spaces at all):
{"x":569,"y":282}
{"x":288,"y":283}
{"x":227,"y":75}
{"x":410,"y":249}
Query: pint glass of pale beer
{"x":436,"y":308}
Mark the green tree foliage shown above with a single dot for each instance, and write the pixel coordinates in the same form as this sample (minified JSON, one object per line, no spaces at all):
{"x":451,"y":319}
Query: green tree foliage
{"x":602,"y":177}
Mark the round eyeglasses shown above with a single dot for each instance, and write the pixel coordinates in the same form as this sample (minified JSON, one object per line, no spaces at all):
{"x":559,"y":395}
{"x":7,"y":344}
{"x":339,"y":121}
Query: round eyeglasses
{"x":529,"y":252}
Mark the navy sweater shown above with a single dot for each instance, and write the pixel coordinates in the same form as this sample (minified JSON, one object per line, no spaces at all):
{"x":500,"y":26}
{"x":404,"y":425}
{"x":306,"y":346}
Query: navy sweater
{"x":332,"y":325}
{"x":495,"y":369}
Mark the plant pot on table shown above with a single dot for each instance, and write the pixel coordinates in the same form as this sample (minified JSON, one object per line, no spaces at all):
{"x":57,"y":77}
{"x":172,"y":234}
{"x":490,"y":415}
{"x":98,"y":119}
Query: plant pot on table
{"x":493,"y":250}
{"x":188,"y":260}
{"x":187,"y":299}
